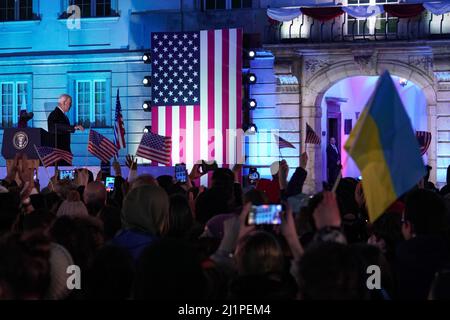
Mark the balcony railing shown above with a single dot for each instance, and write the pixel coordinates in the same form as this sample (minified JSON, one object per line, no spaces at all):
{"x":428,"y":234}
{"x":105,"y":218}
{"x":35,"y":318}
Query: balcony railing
{"x":305,"y":29}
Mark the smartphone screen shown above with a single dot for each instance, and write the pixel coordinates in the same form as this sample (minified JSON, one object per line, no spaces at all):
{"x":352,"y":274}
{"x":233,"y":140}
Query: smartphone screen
{"x":265,"y":214}
{"x":109,"y":183}
{"x":180,"y":173}
{"x":67,"y":174}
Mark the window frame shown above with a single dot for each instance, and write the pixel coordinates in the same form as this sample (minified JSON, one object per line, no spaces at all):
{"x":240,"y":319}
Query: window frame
{"x":93,"y":10}
{"x":15,"y":81}
{"x":92,"y":78}
{"x":228,"y":5}
{"x":34,"y":12}
{"x":371,"y":31}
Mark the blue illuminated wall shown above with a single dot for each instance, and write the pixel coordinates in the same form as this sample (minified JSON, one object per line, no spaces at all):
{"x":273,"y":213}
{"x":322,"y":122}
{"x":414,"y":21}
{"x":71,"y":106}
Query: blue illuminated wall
{"x":278,"y":112}
{"x":52,"y":56}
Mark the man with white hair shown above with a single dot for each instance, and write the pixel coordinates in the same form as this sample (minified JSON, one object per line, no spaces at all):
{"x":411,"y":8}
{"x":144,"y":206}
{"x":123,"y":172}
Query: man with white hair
{"x":59,"y":125}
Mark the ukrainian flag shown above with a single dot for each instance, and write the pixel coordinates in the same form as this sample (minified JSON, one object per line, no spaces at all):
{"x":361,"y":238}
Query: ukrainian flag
{"x":385,"y":149}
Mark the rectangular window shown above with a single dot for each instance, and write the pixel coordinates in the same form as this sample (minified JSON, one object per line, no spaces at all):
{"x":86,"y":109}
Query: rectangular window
{"x":95,"y":8}
{"x":13,"y":98}
{"x":103,"y":8}
{"x":15,"y":10}
{"x":372,"y":25}
{"x":25,"y":9}
{"x":91,"y":101}
{"x":226,"y":4}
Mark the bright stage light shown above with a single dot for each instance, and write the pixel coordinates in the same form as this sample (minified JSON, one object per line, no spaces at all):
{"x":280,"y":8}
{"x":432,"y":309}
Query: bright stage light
{"x":146,"y":58}
{"x":251,"y":78}
{"x":147,"y":81}
{"x":251,"y":104}
{"x":251,"y":54}
{"x":147,"y":106}
{"x":251,"y":128}
{"x":147,"y":129}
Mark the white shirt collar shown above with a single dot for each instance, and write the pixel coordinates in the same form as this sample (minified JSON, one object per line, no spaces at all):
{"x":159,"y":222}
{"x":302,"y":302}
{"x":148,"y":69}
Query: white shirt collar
{"x":61,"y":109}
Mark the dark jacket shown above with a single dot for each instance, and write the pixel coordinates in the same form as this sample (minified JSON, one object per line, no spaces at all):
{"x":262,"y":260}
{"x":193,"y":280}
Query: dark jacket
{"x":59,"y":124}
{"x":134,"y":241}
{"x":417,"y":261}
{"x":332,"y":157}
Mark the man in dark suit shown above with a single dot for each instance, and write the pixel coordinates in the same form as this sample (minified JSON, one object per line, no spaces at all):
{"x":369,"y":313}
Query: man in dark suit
{"x":333,"y":161}
{"x":59,"y":125}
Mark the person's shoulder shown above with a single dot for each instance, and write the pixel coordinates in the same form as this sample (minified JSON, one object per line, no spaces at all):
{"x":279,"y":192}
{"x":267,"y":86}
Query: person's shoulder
{"x":54,"y":112}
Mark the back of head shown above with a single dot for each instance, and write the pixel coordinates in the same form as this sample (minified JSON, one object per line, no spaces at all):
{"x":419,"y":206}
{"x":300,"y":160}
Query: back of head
{"x":332,"y":271}
{"x":440,"y":289}
{"x":9,"y":208}
{"x":165,"y":182}
{"x":110,"y":216}
{"x":181,"y":219}
{"x":259,"y":253}
{"x":222,"y":178}
{"x":256,"y":197}
{"x":24,"y":266}
{"x":111,"y":275}
{"x":63,"y":188}
{"x":60,"y":259}
{"x":81,"y":236}
{"x":426,"y":210}
{"x":143,"y":180}
{"x":146,"y":208}
{"x":169,"y":270}
{"x":72,"y":206}
{"x":95,"y":196}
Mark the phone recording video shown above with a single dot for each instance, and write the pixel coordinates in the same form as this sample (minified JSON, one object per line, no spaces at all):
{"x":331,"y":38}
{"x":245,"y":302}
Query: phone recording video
{"x":266,"y":214}
{"x":67,"y":174}
{"x":180,"y":173}
{"x":109,"y":183}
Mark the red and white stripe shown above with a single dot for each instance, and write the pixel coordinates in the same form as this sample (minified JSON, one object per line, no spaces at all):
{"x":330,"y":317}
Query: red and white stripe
{"x":209,"y":130}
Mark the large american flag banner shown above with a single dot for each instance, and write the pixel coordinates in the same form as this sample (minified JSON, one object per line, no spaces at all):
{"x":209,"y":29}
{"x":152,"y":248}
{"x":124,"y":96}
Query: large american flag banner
{"x":101,"y":147}
{"x":197,"y":94}
{"x":155,"y":147}
{"x":49,"y":156}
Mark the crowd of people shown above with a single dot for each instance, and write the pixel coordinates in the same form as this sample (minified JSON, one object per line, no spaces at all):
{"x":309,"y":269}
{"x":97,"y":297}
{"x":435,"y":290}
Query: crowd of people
{"x":156,"y":238}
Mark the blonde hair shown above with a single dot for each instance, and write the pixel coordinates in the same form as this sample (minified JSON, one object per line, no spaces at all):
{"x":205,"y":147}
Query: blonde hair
{"x":72,"y":206}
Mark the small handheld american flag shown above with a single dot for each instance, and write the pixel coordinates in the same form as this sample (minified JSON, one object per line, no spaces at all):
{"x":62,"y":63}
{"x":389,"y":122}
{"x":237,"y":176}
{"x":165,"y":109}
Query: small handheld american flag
{"x":101,"y":147}
{"x":50,"y":155}
{"x":155,"y":147}
{"x":282,"y":143}
{"x":311,"y":136}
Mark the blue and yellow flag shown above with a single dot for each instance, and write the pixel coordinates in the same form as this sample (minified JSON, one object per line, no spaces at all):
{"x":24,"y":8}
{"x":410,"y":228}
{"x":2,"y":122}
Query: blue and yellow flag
{"x":385,"y":149}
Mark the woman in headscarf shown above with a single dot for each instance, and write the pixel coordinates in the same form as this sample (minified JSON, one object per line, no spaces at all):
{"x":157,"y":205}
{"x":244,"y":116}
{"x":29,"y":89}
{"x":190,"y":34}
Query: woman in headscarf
{"x":145,"y":217}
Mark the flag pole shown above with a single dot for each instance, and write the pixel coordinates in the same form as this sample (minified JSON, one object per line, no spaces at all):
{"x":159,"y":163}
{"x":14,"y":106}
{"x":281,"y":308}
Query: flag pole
{"x":46,"y":169}
{"x":87,"y":149}
{"x":363,"y":119}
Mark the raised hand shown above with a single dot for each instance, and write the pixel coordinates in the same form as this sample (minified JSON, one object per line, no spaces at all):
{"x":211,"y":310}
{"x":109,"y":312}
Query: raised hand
{"x":117,"y":168}
{"x":195,"y":172}
{"x":283,"y":172}
{"x":13,"y":169}
{"x":237,"y":170}
{"x":303,"y":160}
{"x":327,"y":212}
{"x":131,"y":162}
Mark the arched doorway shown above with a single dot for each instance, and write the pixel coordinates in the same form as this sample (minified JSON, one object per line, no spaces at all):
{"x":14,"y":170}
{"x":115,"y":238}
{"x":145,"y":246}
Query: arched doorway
{"x":345,"y":100}
{"x":313,"y":92}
